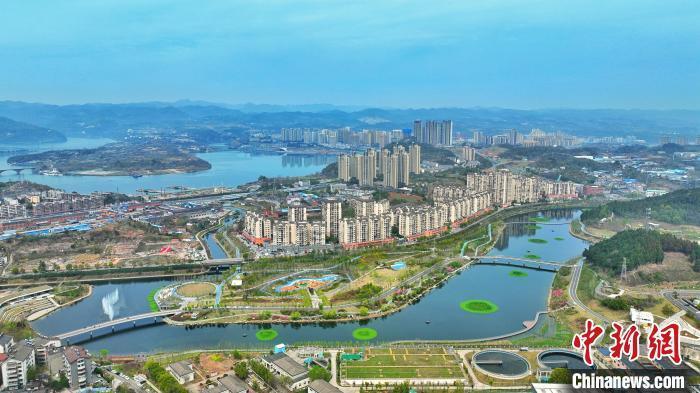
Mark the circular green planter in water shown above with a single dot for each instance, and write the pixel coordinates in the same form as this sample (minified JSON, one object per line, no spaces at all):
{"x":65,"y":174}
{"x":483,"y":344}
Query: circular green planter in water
{"x":478,"y":306}
{"x":517,"y":273}
{"x":364,"y":333}
{"x":266,"y":334}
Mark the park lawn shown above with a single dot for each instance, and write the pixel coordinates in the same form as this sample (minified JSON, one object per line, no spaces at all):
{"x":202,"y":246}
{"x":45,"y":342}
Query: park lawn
{"x":403,"y":363}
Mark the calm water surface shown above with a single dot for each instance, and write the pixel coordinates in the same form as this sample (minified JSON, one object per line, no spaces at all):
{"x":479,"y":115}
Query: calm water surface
{"x":518,"y":298}
{"x":229,"y":168}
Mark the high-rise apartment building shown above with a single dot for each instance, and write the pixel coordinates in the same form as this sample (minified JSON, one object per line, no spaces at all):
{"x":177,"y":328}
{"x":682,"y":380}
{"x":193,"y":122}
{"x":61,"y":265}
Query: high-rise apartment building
{"x":433,"y":132}
{"x":395,"y":166}
{"x":414,"y":152}
{"x":296,"y":213}
{"x":332,"y":213}
{"x":391,"y":171}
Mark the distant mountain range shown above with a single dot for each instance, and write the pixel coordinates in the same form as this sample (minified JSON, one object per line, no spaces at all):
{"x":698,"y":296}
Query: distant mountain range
{"x":215,"y":121}
{"x":16,"y":133}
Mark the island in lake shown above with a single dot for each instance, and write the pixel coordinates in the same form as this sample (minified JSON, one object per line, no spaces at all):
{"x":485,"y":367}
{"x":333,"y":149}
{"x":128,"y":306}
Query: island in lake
{"x":116,"y":159}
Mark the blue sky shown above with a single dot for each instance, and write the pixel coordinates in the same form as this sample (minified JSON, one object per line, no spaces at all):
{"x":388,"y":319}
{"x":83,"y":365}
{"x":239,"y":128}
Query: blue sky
{"x":517,"y":54}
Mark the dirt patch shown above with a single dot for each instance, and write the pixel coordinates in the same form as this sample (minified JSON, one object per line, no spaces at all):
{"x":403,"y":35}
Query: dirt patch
{"x":399,"y":197}
{"x":215,"y":363}
{"x":675,"y":267}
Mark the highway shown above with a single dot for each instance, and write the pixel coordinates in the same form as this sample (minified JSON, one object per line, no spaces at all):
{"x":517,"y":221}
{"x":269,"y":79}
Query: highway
{"x":678,"y":301}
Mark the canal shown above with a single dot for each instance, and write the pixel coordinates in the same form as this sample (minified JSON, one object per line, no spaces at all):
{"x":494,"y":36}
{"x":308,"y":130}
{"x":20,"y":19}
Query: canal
{"x":518,"y":298}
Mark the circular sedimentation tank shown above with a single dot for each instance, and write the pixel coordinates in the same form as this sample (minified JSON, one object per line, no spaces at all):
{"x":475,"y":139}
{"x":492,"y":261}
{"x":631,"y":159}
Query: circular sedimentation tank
{"x":561,"y":358}
{"x":478,"y":306}
{"x":364,"y":334}
{"x":501,"y":364}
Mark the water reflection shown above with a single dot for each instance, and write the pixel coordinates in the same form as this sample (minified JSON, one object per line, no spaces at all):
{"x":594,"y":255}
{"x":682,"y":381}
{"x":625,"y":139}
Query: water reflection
{"x":294,"y":161}
{"x":526,"y":225}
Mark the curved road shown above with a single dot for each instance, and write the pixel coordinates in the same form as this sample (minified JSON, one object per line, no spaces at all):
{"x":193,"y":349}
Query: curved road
{"x":573,"y":285}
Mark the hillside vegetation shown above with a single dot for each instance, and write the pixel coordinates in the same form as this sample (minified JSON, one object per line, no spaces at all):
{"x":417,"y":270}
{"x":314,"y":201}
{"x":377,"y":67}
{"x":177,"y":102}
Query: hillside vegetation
{"x":639,"y":247}
{"x":677,"y":207}
{"x":18,"y":133}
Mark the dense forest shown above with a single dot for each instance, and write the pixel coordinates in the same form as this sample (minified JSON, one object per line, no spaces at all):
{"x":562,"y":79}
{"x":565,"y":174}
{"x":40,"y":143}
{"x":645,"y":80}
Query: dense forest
{"x":677,"y":207}
{"x":639,"y":247}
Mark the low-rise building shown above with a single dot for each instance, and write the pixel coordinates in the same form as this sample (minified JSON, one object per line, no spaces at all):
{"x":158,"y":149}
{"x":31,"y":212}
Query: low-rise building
{"x":228,"y":384}
{"x":282,"y":365}
{"x":321,"y":386}
{"x":182,"y":371}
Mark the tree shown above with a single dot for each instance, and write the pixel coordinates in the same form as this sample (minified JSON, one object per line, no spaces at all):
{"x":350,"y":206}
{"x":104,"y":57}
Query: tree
{"x":104,"y":353}
{"x":295,"y":315}
{"x":60,"y":383}
{"x":667,"y":310}
{"x":31,"y":373}
{"x":560,"y":375}
{"x":237,"y":355}
{"x":241,"y":370}
{"x":318,"y":372}
{"x":124,"y":389}
{"x":403,"y":387}
{"x":364,"y":311}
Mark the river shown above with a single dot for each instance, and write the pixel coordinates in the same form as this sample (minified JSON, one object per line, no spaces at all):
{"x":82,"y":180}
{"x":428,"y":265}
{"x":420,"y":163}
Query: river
{"x":518,"y":299}
{"x":228,"y":168}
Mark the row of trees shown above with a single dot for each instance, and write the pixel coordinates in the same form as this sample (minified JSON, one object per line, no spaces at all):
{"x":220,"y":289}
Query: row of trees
{"x":677,"y":207}
{"x":639,"y":247}
{"x":165,"y":382}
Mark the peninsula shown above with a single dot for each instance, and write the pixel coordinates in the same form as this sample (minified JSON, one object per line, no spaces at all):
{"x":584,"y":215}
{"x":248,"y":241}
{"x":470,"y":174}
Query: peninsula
{"x":116,"y":159}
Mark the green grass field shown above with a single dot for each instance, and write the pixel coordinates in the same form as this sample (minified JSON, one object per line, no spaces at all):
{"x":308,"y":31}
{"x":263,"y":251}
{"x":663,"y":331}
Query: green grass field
{"x":392,"y":363}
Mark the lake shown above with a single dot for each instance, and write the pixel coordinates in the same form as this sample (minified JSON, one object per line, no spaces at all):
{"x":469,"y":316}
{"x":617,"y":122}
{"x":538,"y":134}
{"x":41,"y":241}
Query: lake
{"x":229,"y":168}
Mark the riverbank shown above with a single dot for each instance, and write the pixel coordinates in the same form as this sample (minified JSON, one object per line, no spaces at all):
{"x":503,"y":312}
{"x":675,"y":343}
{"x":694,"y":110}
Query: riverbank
{"x":578,"y":230}
{"x":483,"y":248}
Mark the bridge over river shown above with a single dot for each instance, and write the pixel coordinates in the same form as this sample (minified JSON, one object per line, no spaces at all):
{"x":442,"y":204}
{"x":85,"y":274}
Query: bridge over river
{"x":525,"y":263}
{"x":125,"y":323}
{"x":16,"y":170}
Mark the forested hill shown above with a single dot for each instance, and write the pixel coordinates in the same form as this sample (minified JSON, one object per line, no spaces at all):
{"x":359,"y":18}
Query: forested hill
{"x":640,"y":247}
{"x":677,"y":207}
{"x":18,"y":133}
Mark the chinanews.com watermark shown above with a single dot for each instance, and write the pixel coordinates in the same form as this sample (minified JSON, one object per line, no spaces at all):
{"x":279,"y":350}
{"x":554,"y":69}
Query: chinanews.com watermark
{"x":588,"y":381}
{"x":626,"y":364}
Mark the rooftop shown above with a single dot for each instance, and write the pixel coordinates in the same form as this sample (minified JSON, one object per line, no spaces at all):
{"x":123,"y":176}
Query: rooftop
{"x":321,"y":386}
{"x":23,"y":351}
{"x":73,"y":354}
{"x":181,"y":368}
{"x":233,"y":384}
{"x":287,"y":364}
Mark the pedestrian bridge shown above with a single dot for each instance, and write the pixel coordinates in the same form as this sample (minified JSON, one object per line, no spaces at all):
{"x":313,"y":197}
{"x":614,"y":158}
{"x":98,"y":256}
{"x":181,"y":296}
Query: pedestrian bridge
{"x":526,"y":263}
{"x":222,"y":261}
{"x":117,"y":325}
